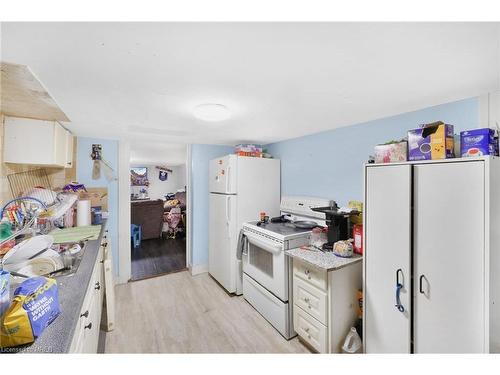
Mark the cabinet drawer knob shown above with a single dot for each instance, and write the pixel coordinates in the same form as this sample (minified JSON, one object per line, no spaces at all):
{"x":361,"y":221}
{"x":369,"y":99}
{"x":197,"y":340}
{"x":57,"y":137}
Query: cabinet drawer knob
{"x":306,"y":329}
{"x":307,"y":272}
{"x":306,"y":300}
{"x":85,"y":314}
{"x":88,"y":326}
{"x":97,"y":286}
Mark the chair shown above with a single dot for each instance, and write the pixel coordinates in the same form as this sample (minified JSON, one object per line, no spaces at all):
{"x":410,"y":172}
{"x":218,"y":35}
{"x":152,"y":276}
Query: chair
{"x":135,"y":234}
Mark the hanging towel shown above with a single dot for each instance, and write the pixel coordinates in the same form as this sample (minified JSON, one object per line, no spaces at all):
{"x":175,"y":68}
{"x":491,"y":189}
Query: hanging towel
{"x":242,"y":244}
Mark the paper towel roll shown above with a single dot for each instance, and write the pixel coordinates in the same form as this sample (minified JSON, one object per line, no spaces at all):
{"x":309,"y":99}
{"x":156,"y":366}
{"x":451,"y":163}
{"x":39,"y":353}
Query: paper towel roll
{"x":83,"y":213}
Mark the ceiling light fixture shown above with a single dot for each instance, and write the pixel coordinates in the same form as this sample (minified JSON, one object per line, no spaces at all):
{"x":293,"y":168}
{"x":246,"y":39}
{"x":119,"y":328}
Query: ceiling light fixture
{"x":211,"y":112}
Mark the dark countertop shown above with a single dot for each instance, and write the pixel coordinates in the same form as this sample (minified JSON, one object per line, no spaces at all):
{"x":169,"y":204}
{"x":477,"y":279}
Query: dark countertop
{"x":57,"y":337}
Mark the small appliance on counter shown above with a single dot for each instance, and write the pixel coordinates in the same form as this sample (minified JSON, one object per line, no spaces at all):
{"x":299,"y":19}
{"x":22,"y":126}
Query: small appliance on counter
{"x":338,"y":221}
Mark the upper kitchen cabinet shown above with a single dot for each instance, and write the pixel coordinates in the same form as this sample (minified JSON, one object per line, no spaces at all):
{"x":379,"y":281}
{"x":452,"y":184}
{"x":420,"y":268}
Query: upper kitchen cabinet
{"x":37,"y":142}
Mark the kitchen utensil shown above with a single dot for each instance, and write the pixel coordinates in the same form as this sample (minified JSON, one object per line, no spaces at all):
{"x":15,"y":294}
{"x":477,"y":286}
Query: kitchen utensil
{"x":39,"y":253}
{"x":26,"y":249}
{"x":57,"y":271}
{"x":17,"y":274}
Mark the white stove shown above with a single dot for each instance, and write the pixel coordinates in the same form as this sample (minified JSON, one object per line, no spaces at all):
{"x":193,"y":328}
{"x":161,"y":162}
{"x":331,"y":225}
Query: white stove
{"x":267,"y":274}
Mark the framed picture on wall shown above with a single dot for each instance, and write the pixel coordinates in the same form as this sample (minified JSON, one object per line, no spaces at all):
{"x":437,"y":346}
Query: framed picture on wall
{"x":139,"y":176}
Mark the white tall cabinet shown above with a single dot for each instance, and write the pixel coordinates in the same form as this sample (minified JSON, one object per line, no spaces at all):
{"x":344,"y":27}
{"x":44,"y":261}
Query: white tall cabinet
{"x":433,"y":229}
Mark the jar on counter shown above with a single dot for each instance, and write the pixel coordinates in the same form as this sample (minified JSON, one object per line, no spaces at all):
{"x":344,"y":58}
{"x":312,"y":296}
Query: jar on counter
{"x":318,"y":237}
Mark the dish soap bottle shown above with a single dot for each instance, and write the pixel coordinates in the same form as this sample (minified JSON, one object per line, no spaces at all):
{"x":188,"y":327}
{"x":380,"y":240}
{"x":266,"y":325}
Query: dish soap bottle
{"x":352,"y":343}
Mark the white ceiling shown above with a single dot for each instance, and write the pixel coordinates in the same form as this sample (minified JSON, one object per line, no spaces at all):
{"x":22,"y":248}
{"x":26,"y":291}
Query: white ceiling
{"x":280,"y":80}
{"x":160,"y":153}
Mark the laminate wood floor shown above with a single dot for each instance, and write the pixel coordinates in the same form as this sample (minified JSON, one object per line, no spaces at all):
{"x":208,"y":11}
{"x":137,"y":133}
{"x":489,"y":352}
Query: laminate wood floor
{"x":180,"y":313}
{"x":158,"y":256}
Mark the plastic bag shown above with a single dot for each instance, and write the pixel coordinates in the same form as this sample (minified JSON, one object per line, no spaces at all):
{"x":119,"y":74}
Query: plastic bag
{"x":4,"y":291}
{"x":35,"y":306}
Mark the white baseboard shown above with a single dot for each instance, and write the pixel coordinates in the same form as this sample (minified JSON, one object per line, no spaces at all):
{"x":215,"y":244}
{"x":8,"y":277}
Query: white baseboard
{"x":198,"y":269}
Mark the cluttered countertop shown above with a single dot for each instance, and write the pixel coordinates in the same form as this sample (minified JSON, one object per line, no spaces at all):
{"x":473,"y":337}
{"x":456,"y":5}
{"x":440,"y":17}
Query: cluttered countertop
{"x":322,"y":259}
{"x":57,"y":337}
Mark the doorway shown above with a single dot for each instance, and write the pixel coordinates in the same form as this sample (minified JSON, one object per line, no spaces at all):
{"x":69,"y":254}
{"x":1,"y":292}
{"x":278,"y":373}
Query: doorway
{"x":157,"y":216}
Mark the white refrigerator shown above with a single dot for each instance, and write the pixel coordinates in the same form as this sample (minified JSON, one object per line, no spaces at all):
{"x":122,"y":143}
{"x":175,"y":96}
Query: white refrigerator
{"x":240,"y":188}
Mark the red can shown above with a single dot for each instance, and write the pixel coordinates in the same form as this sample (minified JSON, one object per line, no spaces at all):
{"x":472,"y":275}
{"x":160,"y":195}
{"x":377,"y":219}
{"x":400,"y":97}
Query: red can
{"x":357,"y":235}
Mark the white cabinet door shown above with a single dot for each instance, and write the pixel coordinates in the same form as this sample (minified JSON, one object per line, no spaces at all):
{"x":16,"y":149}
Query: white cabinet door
{"x":28,"y":141}
{"x":387,"y":258}
{"x":60,"y":140}
{"x":35,"y":142}
{"x":69,"y":150}
{"x":221,"y":240}
{"x":449,"y":257}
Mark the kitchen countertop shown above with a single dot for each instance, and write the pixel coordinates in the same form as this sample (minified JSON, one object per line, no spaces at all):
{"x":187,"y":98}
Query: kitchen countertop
{"x":56,"y":338}
{"x":324,"y":260}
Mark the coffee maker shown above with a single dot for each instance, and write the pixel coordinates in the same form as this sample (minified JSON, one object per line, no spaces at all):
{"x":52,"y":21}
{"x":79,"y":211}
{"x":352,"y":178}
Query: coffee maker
{"x":338,"y":223}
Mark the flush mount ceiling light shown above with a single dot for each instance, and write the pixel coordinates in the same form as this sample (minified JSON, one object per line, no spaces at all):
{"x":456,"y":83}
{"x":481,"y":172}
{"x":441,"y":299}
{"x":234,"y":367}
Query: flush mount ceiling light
{"x":211,"y":112}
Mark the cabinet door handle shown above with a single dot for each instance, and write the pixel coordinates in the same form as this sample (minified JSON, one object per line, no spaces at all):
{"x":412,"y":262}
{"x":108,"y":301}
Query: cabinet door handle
{"x":97,"y":286}
{"x":420,"y":286}
{"x":399,"y":286}
{"x":85,"y":314}
{"x":88,"y":326}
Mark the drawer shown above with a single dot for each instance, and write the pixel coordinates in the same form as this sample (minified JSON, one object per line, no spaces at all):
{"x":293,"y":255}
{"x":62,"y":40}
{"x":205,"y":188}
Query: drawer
{"x":311,"y":299}
{"x":312,"y":275}
{"x":309,"y":329}
{"x":90,"y":310}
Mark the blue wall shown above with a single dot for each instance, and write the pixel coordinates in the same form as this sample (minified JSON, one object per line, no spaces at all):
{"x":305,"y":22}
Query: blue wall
{"x":84,"y":175}
{"x":200,"y":157}
{"x":330,"y":164}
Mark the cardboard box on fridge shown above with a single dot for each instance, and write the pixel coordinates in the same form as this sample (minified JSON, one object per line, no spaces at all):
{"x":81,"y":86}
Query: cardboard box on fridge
{"x":97,"y":196}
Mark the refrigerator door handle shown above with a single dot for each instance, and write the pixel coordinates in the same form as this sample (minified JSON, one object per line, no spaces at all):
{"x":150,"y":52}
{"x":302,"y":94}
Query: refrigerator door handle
{"x":228,"y":179}
{"x":399,"y":286}
{"x":228,"y":218}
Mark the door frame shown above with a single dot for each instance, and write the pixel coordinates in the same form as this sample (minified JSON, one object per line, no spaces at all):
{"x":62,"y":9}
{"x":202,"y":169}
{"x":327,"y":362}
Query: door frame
{"x":124,"y":269}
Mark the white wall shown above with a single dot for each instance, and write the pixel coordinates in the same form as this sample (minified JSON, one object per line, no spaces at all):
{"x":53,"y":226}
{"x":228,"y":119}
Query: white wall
{"x":158,"y":189}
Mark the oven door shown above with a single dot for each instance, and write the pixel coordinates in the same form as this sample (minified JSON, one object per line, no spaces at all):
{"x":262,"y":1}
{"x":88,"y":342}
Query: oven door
{"x":265,"y":261}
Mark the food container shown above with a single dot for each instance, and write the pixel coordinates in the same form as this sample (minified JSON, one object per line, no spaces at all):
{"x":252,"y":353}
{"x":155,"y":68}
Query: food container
{"x":248,"y":150}
{"x":391,"y":152}
{"x":358,"y":206}
{"x":318,"y":237}
{"x":478,"y":142}
{"x":357,"y":235}
{"x":343,"y":249}
{"x":431,"y":142}
{"x":359,"y":297}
